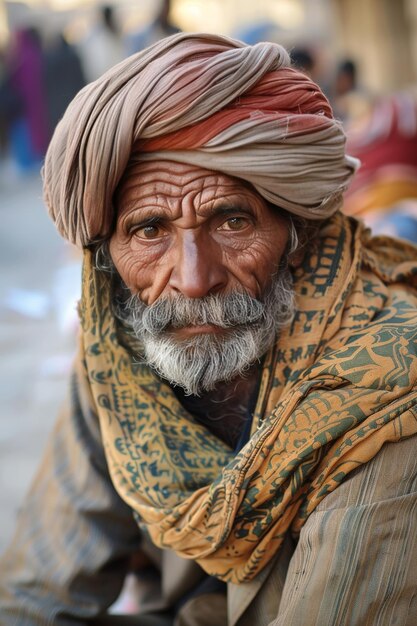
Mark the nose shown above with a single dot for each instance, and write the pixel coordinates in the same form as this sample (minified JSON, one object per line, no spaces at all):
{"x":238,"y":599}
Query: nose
{"x":198,"y":270}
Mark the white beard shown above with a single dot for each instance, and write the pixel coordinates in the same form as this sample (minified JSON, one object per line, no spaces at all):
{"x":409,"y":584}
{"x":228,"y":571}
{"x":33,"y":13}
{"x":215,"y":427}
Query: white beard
{"x":198,"y":363}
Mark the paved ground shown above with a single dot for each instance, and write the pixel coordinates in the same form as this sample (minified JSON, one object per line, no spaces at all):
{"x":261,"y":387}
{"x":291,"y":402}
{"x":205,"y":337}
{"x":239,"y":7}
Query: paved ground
{"x":38,"y":288}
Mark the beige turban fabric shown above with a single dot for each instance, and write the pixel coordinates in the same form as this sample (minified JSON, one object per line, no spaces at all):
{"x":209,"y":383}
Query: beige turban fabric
{"x":206,"y":100}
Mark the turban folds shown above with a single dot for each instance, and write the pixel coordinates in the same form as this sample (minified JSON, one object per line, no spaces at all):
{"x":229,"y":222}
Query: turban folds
{"x":206,"y":100}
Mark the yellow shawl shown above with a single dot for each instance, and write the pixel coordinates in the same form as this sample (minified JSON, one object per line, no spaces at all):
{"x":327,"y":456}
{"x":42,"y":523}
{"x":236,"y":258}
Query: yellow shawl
{"x":338,"y":384}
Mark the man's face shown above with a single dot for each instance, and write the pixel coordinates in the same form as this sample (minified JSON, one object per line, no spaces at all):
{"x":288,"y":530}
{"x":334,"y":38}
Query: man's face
{"x":201,"y":250}
{"x":184,"y":230}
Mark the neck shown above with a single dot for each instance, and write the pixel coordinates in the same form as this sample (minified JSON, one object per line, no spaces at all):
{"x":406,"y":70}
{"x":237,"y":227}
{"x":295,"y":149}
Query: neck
{"x":225,"y":409}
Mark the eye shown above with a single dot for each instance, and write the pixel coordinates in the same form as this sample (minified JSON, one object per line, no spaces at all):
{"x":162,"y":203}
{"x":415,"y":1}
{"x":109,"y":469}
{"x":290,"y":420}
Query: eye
{"x":234,"y":224}
{"x":149,"y":231}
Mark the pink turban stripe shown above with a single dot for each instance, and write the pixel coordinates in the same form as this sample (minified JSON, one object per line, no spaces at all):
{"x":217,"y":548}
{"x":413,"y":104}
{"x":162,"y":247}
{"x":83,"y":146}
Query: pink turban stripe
{"x":201,"y":99}
{"x":275,"y":97}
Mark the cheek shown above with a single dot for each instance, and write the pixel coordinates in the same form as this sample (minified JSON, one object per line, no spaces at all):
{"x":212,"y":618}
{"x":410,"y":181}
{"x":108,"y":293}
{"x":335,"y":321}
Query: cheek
{"x":254,"y":266}
{"x":142,"y":270}
{"x":127,"y":262}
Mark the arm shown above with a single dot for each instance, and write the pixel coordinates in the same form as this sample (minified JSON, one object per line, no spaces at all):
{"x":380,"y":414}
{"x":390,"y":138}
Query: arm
{"x":354,"y":564}
{"x":74,"y":535}
{"x":355,"y":561}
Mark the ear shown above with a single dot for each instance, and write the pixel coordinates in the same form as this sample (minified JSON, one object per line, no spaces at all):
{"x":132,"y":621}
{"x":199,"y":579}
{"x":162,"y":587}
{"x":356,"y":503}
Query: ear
{"x":296,"y":258}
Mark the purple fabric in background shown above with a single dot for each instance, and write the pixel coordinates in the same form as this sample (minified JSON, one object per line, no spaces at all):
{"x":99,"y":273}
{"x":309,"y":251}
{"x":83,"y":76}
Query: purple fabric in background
{"x":26,"y":77}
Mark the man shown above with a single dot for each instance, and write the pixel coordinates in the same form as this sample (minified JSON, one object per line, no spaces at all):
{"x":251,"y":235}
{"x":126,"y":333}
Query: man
{"x":242,"y":409}
{"x":161,"y":26}
{"x":103,"y":45}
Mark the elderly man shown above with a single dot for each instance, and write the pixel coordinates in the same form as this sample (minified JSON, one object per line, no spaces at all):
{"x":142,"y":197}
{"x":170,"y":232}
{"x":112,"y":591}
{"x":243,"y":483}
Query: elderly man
{"x":243,"y":407}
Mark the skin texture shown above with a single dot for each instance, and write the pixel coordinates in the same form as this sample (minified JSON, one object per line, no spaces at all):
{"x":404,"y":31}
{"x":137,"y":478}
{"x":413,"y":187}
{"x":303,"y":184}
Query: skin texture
{"x":185,"y":230}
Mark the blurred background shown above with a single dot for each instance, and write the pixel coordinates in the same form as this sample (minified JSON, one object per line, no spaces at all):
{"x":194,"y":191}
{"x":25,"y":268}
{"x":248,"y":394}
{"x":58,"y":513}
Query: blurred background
{"x":363,"y":53}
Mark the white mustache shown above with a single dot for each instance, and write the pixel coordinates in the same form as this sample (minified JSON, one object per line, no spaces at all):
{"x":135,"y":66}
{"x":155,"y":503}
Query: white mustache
{"x":226,"y":311}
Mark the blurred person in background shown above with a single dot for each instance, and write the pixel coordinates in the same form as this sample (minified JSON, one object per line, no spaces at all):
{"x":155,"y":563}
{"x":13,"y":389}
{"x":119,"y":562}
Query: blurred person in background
{"x":241,"y":412}
{"x":103,"y":47}
{"x":160,"y":27}
{"x":302,"y":59}
{"x":384,"y":191}
{"x":260,"y":30}
{"x":23,"y":82}
{"x":63,"y":78}
{"x":10,"y":105}
{"x":350,"y":100}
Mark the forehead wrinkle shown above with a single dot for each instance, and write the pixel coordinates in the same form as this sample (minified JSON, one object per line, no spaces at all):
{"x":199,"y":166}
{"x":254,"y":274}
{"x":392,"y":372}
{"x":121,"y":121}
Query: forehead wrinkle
{"x":162,"y":187}
{"x":231,"y":189}
{"x":136,"y":191}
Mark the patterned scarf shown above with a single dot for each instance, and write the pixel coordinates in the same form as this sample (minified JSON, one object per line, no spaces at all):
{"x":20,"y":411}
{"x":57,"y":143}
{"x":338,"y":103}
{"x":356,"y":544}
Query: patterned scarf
{"x":338,"y":384}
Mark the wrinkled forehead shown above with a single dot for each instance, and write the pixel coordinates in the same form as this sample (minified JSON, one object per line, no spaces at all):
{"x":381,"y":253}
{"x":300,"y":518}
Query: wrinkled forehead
{"x":160,"y":181}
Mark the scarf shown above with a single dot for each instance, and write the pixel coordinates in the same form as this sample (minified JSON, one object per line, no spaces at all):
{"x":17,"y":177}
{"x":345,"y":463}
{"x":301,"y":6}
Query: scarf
{"x":339,"y":383}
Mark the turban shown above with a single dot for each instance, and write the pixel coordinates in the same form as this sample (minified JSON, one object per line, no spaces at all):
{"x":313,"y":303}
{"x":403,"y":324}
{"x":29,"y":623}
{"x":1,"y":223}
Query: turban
{"x":206,"y":100}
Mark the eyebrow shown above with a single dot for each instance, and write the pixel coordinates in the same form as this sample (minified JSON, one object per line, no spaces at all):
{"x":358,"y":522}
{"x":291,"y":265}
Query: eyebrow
{"x":149,"y":220}
{"x":156,"y":214}
{"x":227,"y":209}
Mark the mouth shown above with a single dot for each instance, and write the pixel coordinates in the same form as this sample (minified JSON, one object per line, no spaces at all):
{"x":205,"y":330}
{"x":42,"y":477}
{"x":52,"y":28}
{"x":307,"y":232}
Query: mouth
{"x":191,"y":331}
